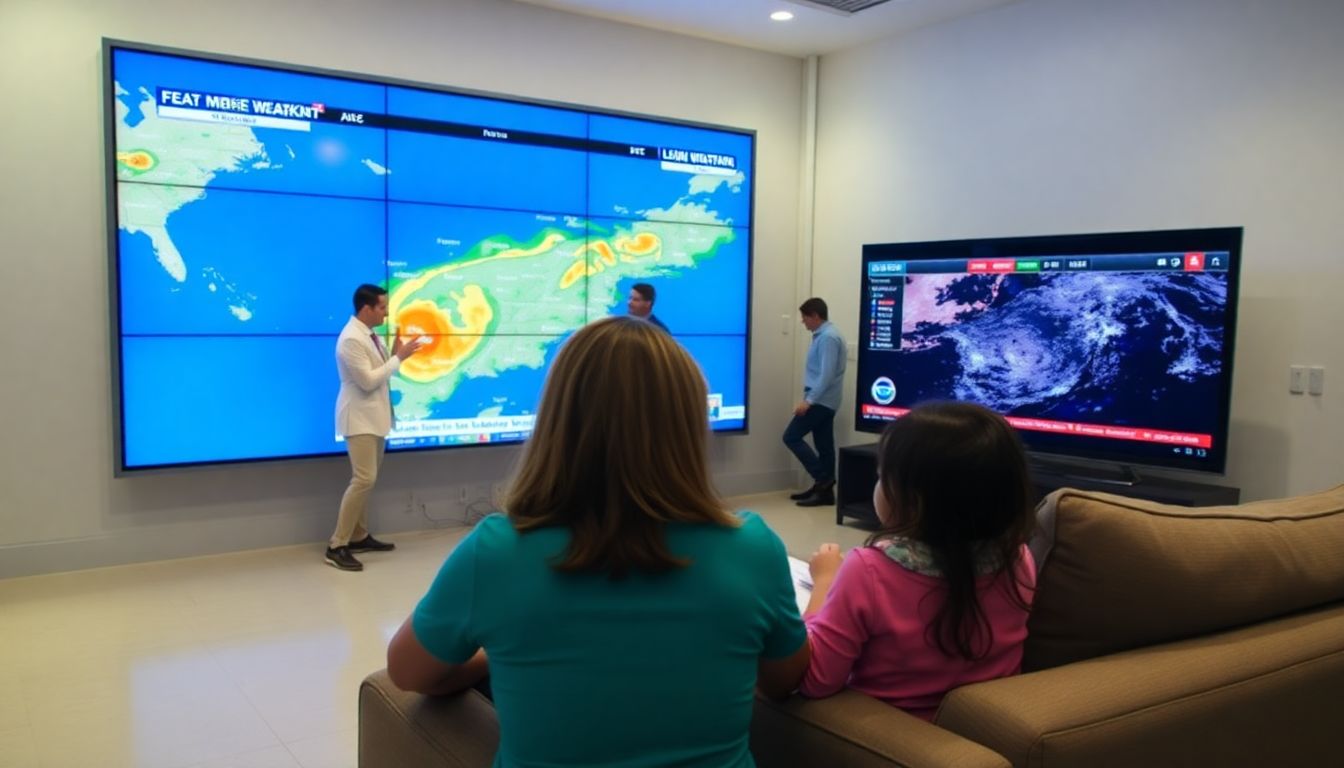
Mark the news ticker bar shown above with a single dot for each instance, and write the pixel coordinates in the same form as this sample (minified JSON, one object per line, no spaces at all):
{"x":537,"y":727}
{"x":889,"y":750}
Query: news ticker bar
{"x":1191,"y":261}
{"x":482,"y":428}
{"x":262,"y":113}
{"x":1139,"y":434}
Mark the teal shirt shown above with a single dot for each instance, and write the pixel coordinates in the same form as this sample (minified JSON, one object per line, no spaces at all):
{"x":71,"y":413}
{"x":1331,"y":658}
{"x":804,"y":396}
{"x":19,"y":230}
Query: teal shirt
{"x":645,"y":671}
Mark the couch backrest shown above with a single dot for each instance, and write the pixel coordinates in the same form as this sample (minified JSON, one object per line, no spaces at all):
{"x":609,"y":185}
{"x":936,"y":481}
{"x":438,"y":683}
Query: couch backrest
{"x":1124,"y":573}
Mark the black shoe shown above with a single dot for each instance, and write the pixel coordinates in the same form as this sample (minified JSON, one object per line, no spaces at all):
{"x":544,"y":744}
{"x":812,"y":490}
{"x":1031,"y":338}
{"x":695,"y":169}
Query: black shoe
{"x":340,"y":557}
{"x":821,"y":497}
{"x":799,"y":496}
{"x":370,"y":544}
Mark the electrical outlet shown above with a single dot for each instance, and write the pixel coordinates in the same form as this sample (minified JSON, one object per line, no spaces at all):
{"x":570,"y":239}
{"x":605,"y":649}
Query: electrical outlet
{"x":785,"y":324}
{"x":1316,"y":379}
{"x":1297,"y":379}
{"x":463,"y":494}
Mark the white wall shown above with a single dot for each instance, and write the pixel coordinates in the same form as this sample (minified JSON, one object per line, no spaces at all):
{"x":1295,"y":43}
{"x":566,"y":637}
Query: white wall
{"x":1042,"y":116}
{"x":60,"y":507}
{"x":1049,"y":116}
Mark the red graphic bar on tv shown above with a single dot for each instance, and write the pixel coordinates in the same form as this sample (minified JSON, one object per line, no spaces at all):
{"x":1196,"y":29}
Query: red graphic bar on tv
{"x":1140,"y":434}
{"x":986,"y":266}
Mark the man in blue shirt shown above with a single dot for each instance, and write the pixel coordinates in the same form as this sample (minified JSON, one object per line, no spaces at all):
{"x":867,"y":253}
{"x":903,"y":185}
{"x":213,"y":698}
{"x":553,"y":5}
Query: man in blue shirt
{"x":823,"y":380}
{"x":640,"y":303}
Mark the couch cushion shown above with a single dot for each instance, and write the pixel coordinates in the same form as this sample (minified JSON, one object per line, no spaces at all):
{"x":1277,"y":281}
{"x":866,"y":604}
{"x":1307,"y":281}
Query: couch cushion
{"x":1125,"y":573}
{"x":856,"y":731}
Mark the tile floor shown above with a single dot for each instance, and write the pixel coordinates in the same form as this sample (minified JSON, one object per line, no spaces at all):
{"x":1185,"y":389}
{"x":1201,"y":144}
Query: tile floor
{"x":245,"y":660}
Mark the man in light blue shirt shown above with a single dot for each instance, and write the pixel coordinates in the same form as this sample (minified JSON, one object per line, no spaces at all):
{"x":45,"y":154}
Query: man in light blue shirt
{"x":823,"y":380}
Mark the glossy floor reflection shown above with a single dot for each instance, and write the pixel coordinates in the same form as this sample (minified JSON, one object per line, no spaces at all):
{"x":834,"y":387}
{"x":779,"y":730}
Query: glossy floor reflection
{"x":251,"y":659}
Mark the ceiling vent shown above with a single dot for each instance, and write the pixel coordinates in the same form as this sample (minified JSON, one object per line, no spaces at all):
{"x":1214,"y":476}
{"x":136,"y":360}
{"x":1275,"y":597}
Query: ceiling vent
{"x":842,"y":7}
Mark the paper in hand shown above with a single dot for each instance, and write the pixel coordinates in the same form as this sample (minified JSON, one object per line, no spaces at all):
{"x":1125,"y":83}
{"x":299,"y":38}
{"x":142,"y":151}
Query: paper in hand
{"x":802,"y":583}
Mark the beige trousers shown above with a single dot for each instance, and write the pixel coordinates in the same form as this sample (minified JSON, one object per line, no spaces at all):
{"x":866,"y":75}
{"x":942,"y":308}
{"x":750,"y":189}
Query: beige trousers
{"x":366,"y":456}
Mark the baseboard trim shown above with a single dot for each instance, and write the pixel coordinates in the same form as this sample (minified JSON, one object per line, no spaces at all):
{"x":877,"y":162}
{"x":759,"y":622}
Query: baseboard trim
{"x":197,"y":538}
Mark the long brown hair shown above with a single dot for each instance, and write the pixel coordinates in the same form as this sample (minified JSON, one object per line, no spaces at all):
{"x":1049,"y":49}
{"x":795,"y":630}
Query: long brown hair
{"x":955,"y":477}
{"x":618,"y":450}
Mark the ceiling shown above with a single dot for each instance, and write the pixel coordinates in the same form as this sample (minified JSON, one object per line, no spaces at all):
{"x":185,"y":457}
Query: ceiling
{"x":747,"y":23}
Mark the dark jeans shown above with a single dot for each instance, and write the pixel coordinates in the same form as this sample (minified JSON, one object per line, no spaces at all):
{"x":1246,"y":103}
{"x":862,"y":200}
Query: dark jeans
{"x":820,"y":421}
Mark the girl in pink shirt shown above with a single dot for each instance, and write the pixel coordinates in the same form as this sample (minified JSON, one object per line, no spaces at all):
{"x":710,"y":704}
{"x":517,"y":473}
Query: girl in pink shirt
{"x":938,"y":597}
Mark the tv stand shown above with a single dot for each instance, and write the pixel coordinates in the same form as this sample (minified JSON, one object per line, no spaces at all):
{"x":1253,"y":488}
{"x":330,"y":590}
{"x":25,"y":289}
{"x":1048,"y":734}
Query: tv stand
{"x":1116,"y":474}
{"x":858,"y":472}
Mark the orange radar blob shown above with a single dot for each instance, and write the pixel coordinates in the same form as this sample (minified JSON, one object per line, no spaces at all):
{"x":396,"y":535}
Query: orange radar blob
{"x":446,"y":344}
{"x":642,"y":243}
{"x":422,"y":318}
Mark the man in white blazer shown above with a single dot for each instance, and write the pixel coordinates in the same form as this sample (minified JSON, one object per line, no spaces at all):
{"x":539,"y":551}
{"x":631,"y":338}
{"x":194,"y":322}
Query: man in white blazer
{"x":364,"y":417}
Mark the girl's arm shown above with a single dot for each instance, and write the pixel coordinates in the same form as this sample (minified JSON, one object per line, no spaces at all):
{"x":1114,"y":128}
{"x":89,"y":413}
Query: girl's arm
{"x":837,"y":626}
{"x":824,"y":564}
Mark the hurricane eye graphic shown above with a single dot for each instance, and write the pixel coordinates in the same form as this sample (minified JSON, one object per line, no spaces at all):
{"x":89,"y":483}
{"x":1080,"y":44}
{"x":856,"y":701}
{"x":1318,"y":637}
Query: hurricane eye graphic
{"x":884,"y":390}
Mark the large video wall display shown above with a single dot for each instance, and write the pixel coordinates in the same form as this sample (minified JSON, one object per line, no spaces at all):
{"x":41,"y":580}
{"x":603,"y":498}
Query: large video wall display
{"x":249,"y":199}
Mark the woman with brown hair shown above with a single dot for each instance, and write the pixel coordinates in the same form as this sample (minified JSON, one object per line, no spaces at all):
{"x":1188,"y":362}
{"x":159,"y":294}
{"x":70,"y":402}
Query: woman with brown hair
{"x":626,"y":615}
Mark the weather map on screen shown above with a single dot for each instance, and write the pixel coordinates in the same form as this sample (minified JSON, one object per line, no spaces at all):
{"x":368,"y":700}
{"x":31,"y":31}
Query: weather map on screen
{"x":1113,"y":348}
{"x":250,"y":199}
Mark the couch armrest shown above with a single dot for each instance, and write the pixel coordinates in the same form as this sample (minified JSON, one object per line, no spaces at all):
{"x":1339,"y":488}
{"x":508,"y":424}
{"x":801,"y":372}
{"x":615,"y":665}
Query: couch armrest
{"x":406,"y":730}
{"x":1267,"y":694}
{"x":851,"y":729}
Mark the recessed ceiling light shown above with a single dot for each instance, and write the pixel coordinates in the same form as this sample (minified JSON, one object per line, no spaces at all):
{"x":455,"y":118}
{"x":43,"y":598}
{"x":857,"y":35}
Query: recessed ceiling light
{"x":781,"y":15}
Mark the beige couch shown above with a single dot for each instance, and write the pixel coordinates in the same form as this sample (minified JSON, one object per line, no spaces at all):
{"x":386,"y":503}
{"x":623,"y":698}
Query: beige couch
{"x":1161,"y":636}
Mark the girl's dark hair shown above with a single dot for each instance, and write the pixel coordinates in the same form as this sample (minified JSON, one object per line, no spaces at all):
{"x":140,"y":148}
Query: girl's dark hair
{"x":955,"y":478}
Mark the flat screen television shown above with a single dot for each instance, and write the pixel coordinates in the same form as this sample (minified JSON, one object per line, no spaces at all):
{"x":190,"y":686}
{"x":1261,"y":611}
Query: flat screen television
{"x":1115,"y":349}
{"x":248,"y":199}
